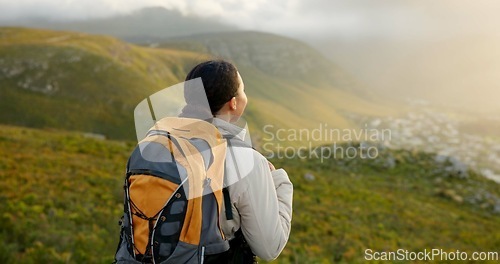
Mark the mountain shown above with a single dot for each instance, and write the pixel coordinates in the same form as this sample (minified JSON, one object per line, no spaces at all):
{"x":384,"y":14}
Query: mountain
{"x":80,"y":82}
{"x":92,"y":83}
{"x":145,"y":24}
{"x":289,"y":77}
{"x":271,"y":54}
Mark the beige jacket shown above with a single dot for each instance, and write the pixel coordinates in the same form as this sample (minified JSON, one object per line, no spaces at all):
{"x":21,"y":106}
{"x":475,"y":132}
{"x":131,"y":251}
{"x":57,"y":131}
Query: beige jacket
{"x":261,"y":199}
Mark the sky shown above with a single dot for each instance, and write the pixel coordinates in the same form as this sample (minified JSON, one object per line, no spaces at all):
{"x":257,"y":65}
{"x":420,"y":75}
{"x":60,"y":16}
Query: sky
{"x":373,"y":39}
{"x":348,"y":18}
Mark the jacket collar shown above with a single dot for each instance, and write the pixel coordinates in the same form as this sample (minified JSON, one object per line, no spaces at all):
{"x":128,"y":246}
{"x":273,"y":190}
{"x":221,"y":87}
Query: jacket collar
{"x":229,"y":129}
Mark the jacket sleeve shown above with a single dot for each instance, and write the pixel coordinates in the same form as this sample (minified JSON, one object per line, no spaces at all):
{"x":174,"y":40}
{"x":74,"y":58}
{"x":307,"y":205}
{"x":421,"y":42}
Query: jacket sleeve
{"x":265,"y":208}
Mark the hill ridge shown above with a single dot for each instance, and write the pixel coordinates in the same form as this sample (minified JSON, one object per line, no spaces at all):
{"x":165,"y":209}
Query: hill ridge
{"x":93,"y":83}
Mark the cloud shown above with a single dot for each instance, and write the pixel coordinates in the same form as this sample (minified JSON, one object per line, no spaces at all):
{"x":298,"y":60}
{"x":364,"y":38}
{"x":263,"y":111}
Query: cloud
{"x":75,"y":9}
{"x":344,"y":18}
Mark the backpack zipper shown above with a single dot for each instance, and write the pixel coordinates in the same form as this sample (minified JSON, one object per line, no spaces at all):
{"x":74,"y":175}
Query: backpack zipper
{"x":159,"y":214}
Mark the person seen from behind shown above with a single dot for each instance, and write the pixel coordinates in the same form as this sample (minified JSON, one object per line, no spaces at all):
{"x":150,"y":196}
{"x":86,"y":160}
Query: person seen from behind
{"x":260,"y":210}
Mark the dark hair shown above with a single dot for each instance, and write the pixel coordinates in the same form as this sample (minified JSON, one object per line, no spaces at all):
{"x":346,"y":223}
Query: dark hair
{"x":220,"y":80}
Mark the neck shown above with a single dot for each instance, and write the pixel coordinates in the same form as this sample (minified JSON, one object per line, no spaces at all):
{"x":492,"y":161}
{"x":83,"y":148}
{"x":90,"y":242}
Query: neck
{"x":225,"y":116}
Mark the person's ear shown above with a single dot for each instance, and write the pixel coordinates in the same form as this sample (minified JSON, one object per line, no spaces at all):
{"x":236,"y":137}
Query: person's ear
{"x":232,"y":103}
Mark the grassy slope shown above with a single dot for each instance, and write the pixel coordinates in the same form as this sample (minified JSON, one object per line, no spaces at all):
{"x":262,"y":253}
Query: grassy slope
{"x":60,"y":196}
{"x":97,"y":81}
{"x":61,"y":199}
{"x":353,"y":206}
{"x":92,"y":83}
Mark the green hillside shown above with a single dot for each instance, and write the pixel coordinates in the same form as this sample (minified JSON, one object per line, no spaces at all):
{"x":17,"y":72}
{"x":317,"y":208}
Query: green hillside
{"x":80,"y":82}
{"x":284,"y":59}
{"x":289,"y":78}
{"x":92,"y":83}
{"x":269,"y":53}
{"x":61,"y":196}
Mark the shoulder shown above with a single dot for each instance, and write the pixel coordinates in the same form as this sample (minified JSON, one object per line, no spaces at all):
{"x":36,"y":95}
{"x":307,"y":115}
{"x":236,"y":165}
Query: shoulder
{"x":245,"y":169}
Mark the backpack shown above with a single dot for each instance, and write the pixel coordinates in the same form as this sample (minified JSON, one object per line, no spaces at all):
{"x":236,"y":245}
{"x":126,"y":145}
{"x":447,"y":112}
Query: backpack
{"x":173,"y":195}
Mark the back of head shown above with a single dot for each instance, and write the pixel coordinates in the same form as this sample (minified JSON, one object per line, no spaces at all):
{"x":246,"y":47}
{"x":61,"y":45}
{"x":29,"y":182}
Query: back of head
{"x":220,"y":81}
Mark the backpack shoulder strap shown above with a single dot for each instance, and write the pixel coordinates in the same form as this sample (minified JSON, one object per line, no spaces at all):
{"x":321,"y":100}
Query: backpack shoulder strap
{"x":232,"y":141}
{"x":227,"y":204}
